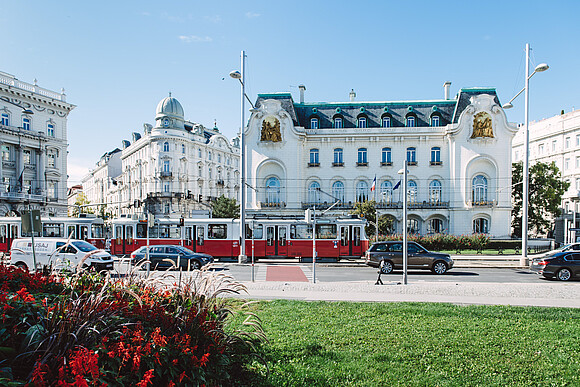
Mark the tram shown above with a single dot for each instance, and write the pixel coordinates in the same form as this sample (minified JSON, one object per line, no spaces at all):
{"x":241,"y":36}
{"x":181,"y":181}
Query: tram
{"x":91,"y":229}
{"x":336,"y":237}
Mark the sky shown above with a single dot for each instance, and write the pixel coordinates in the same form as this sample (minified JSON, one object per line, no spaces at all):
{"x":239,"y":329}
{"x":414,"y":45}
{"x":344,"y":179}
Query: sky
{"x":117,"y":59}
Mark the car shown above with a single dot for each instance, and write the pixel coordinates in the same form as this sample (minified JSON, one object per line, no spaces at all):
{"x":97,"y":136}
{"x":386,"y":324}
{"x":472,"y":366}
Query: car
{"x":562,"y":266}
{"x":390,"y":254}
{"x":167,"y":256}
{"x":564,"y":248}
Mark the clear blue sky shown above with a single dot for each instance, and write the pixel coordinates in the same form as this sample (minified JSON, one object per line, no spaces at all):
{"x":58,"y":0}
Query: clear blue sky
{"x":118,"y":59}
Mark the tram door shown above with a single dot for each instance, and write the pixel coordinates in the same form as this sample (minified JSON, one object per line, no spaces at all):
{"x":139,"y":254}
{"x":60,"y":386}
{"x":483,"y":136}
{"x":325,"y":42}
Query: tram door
{"x":350,"y":244}
{"x":124,"y":239}
{"x":194,"y":238}
{"x":276,"y":241}
{"x":8,"y":232}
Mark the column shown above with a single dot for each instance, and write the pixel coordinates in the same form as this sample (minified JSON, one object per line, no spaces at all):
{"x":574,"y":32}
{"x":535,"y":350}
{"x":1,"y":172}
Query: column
{"x":19,"y":162}
{"x":2,"y":187}
{"x":40,"y":169}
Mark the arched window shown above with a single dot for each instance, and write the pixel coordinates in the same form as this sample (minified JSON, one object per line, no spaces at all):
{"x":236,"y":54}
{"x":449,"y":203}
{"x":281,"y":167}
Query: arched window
{"x":337,"y":122}
{"x":198,"y":153}
{"x":435,"y":191}
{"x":386,"y":191}
{"x":412,"y":156}
{"x":314,"y":193}
{"x":362,"y":157}
{"x":50,"y":129}
{"x":314,"y":161}
{"x":362,"y":191}
{"x":410,"y":120}
{"x":338,"y":190}
{"x":435,"y":226}
{"x":480,"y":226}
{"x":386,"y":121}
{"x":361,"y":122}
{"x":314,"y":123}
{"x":413,"y":226}
{"x":436,"y":155}
{"x":479,"y":190}
{"x":209,"y":155}
{"x":166,"y":166}
{"x":338,"y":161}
{"x":412,"y":191}
{"x":166,"y":147}
{"x":273,"y":190}
{"x":386,"y":157}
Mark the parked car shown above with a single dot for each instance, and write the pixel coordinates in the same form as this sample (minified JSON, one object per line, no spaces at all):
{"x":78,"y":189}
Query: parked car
{"x":563,"y":248}
{"x":560,"y":265}
{"x":391,"y":253}
{"x":166,"y":256}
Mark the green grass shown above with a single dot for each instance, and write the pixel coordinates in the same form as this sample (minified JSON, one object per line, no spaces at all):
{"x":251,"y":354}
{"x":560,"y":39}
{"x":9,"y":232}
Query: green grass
{"x":410,"y":344}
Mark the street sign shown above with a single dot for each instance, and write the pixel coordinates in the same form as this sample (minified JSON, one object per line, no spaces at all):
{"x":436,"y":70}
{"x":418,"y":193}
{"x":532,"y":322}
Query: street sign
{"x":31,"y":223}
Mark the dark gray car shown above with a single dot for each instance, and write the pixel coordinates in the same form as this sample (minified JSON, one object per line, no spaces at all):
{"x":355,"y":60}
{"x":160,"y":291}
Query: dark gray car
{"x":391,"y":252}
{"x":167,"y":256}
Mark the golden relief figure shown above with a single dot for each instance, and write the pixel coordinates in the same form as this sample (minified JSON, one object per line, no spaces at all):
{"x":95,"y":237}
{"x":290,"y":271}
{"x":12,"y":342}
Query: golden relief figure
{"x":271,"y":130}
{"x":482,"y":125}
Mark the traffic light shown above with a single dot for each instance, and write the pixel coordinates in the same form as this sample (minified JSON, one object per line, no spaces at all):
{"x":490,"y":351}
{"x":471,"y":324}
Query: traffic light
{"x":181,"y":221}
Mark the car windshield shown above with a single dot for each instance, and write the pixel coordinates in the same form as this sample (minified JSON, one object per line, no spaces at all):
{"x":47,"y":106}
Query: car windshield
{"x":83,"y":246}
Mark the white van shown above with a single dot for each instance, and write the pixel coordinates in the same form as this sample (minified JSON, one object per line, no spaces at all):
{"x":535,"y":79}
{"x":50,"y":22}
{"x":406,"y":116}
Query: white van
{"x":56,"y":253}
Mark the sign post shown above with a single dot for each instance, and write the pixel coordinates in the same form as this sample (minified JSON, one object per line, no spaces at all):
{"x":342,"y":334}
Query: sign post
{"x":30,"y":223}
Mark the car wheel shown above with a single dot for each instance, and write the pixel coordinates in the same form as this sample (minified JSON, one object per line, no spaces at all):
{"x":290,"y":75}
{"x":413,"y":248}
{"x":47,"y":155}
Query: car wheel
{"x":195,"y":265}
{"x":564,"y":274}
{"x":386,"y":267}
{"x":439,"y":267}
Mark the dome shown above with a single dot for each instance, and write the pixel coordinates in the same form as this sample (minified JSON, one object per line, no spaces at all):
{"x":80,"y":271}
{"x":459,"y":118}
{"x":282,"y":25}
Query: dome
{"x":169,"y":107}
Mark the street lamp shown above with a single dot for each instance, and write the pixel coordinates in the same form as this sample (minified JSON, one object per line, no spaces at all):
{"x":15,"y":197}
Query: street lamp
{"x":24,"y":110}
{"x":526,"y":172}
{"x":405,"y":173}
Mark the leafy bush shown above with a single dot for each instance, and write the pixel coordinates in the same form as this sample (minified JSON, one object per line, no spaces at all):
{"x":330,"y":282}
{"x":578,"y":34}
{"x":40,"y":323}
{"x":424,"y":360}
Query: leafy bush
{"x":438,"y":242}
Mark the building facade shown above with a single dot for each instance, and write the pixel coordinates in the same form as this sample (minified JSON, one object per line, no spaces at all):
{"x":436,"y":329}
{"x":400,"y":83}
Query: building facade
{"x":33,"y":141}
{"x":174,"y":168}
{"x":557,"y":139}
{"x":323,"y":154}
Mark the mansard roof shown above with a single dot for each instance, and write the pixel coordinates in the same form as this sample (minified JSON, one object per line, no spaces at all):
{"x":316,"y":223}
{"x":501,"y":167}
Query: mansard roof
{"x":448,"y":110}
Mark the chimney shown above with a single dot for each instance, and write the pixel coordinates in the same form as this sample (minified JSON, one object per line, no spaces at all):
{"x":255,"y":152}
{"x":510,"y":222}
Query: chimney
{"x":302,"y":90}
{"x":352,"y":95}
{"x":446,"y":86}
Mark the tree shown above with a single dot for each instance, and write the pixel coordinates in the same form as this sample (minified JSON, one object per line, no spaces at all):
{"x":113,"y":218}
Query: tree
{"x":367,"y":210}
{"x":545,"y":197}
{"x":80,"y":205}
{"x":224,"y":207}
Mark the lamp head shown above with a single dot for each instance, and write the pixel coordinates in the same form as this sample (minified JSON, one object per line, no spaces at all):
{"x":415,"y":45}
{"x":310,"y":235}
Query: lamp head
{"x":507,"y":105}
{"x":236,"y":74}
{"x":541,"y":67}
{"x":27,"y":111}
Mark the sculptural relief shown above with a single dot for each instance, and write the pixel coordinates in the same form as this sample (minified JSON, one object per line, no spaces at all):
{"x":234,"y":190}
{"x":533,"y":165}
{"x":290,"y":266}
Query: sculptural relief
{"x":482,"y":126}
{"x":271,"y":130}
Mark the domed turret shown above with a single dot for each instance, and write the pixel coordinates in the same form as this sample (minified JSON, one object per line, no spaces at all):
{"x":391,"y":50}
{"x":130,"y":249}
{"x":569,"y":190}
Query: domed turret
{"x":169,"y":107}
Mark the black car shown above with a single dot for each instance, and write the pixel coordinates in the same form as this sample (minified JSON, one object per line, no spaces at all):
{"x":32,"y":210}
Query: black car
{"x":391,"y":253}
{"x":561,"y":265}
{"x":167,"y":256}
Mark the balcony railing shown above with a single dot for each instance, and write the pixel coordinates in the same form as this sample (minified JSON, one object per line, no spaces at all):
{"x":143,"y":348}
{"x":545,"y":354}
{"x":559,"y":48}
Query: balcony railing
{"x":310,"y":165}
{"x":411,"y":163}
{"x":165,"y":174}
{"x":341,"y":164}
{"x":272,"y":204}
{"x":482,"y":203}
{"x":21,"y":196}
{"x":386,"y":163}
{"x":362,"y":164}
{"x":436,"y":163}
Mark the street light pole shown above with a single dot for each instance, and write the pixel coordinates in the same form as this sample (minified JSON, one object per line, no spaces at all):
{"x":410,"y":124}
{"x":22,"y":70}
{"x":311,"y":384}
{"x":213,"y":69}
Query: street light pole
{"x":405,"y":203}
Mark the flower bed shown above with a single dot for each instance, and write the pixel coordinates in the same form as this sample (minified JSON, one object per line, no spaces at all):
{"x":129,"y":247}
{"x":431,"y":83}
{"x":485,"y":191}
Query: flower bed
{"x":89,"y":330}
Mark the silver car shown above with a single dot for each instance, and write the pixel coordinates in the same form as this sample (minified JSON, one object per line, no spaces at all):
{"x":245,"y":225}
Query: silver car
{"x":391,"y":253}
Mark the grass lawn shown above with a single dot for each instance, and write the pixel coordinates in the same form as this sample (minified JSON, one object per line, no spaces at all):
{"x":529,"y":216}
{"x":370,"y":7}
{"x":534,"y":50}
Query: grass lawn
{"x":412,"y":344}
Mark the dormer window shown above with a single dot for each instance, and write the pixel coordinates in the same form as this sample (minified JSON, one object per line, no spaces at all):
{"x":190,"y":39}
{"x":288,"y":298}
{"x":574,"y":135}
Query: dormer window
{"x":314,"y":123}
{"x":435,"y":120}
{"x":337,"y":122}
{"x":166,"y":122}
{"x":362,"y":122}
{"x":410,"y":121}
{"x":386,"y":121}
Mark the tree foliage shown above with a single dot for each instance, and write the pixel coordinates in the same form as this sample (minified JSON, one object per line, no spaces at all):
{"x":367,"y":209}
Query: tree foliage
{"x":367,"y":210}
{"x":545,"y":197}
{"x":79,"y":203}
{"x":224,"y":207}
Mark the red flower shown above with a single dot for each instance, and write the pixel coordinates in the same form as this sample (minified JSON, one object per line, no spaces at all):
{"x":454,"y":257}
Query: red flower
{"x":146,"y":379}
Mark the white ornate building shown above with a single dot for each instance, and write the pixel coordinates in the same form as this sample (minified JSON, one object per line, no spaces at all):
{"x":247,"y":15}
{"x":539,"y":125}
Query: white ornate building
{"x":459,"y":154}
{"x":34,"y":145}
{"x":174,"y":168}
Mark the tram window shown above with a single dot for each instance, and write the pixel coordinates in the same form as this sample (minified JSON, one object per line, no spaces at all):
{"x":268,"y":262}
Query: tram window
{"x":141,"y":230}
{"x":216,"y":231}
{"x":301,"y":231}
{"x":154,"y":232}
{"x":119,"y":232}
{"x":3,"y":233}
{"x":174,"y":232}
{"x":356,"y":232}
{"x":52,"y":230}
{"x":344,"y":236}
{"x":200,"y":235}
{"x":70,"y":232}
{"x":84,"y":232}
{"x":270,"y":236}
{"x":282,"y":236}
{"x":129,"y":231}
{"x":97,"y":231}
{"x":188,"y":232}
{"x":326,"y":231}
{"x":14,"y":231}
{"x":258,"y":231}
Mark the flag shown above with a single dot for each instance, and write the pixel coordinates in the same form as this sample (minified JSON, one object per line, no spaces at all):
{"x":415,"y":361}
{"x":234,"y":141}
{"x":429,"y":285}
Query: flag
{"x":374,"y":184}
{"x":397,"y":185}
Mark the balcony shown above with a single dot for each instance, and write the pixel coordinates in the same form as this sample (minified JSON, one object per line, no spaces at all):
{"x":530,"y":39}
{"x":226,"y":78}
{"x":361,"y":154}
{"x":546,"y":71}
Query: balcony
{"x":164,"y":174}
{"x":435,"y":163}
{"x":482,"y":203}
{"x":272,"y":204}
{"x":20,"y":196}
{"x":311,"y":165}
{"x":362,"y":164}
{"x":220,"y":182}
{"x":411,"y":163}
{"x":386,"y":163}
{"x":325,"y":205}
{"x":341,"y":164}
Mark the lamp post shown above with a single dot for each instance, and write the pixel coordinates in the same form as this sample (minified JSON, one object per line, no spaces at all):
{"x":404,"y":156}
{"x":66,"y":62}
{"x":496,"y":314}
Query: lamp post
{"x":242,"y":79}
{"x":405,"y":172}
{"x":526,"y":172}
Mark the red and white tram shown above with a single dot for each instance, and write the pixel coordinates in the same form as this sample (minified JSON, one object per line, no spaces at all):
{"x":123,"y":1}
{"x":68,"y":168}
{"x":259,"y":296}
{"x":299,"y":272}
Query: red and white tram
{"x":91,"y":229}
{"x":272,"y":237}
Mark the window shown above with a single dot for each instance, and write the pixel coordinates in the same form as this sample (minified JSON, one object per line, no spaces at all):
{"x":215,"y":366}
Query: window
{"x":165,"y":147}
{"x":51,"y":160}
{"x":273,"y":190}
{"x":435,"y":191}
{"x":387,"y":191}
{"x":182,"y":149}
{"x":314,"y":123}
{"x":25,"y":123}
{"x":386,"y":122}
{"x":5,"y":119}
{"x":480,"y":226}
{"x":27,"y":186}
{"x":199,"y":170}
{"x":166,"y":166}
{"x":199,"y":153}
{"x":435,"y":155}
{"x":314,"y":161}
{"x":165,"y":187}
{"x":338,"y":122}
{"x":412,"y":156}
{"x":578,"y":140}
{"x":567,"y":142}
{"x":338,"y":190}
{"x":167,"y":208}
{"x":554,"y":143}
{"x":479,"y":190}
{"x":50,"y":129}
{"x":362,"y":156}
{"x":51,"y":189}
{"x":577,"y":162}
{"x":410,"y":121}
{"x":386,"y":156}
{"x":435,"y":226}
{"x":217,"y":231}
{"x":362,"y":191}
{"x":6,"y":183}
{"x":314,"y":193}
{"x":413,"y":226}
{"x":412,"y":191}
{"x":338,"y":157}
{"x":209,"y":155}
{"x":362,"y":122}
{"x":435,"y":120}
{"x":578,"y":184}
{"x":541,"y":149}
{"x":26,"y":156}
{"x":567,"y":163}
{"x":219,"y":157}
{"x":5,"y":153}
{"x":209,"y":173}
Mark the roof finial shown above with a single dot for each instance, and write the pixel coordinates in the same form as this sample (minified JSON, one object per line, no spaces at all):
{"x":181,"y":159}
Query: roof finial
{"x":170,"y":94}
